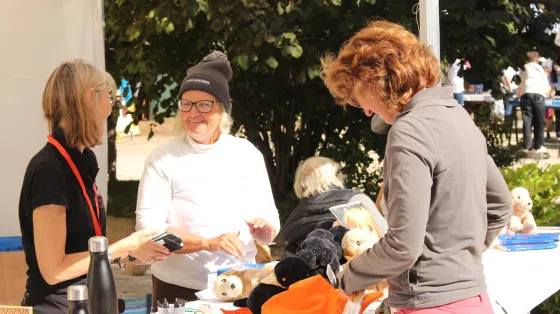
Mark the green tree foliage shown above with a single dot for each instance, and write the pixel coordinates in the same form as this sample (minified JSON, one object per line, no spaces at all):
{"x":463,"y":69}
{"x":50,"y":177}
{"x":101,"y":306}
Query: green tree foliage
{"x":279,"y":102}
{"x":493,"y":35}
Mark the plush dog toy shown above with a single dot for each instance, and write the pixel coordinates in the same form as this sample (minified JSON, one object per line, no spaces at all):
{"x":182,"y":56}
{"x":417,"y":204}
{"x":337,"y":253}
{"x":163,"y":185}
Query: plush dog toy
{"x":292,"y":269}
{"x":320,"y":252}
{"x":338,"y":233}
{"x":234,"y":285}
{"x":522,"y":220}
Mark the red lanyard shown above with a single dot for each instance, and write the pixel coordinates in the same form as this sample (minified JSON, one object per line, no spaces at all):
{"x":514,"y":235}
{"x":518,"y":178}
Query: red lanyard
{"x":64,"y":153}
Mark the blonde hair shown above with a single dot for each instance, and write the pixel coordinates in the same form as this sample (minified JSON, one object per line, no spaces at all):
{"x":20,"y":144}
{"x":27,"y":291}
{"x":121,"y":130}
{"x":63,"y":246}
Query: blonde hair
{"x":65,"y":98}
{"x":226,"y":121}
{"x":316,"y":175}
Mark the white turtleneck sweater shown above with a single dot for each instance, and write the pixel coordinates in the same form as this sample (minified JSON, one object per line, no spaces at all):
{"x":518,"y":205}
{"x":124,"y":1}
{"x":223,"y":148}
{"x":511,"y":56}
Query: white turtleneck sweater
{"x":205,"y":190}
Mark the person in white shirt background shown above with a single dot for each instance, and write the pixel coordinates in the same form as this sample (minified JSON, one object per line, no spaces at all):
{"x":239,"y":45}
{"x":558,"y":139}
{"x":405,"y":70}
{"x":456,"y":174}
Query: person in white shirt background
{"x":210,"y":188}
{"x":532,"y":91}
{"x":509,"y":88}
{"x":457,"y":81}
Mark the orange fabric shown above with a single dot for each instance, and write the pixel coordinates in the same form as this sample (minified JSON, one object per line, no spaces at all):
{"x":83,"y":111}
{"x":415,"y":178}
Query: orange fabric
{"x":370,"y":298}
{"x":311,"y":295}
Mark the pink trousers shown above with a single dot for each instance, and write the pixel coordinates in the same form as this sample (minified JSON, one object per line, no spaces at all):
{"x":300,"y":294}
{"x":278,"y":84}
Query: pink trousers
{"x":479,"y":305}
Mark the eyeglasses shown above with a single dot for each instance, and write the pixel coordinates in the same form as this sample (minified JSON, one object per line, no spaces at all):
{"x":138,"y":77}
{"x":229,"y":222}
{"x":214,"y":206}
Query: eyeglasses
{"x":109,"y":96}
{"x":203,"y":106}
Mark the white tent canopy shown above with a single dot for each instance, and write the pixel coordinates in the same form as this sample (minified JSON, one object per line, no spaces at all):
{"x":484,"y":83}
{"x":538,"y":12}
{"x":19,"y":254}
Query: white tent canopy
{"x":37,"y":36}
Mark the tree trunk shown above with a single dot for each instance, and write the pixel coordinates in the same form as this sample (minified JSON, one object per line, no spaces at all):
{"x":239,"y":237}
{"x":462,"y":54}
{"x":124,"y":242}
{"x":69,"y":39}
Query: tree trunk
{"x":111,"y":145}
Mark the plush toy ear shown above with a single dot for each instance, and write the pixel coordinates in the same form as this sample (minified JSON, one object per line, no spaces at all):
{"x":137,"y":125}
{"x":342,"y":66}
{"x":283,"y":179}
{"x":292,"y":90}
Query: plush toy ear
{"x":231,"y":272}
{"x":338,"y":233}
{"x":291,"y":270}
{"x":260,"y":295}
{"x":288,"y":254}
{"x":326,"y":224}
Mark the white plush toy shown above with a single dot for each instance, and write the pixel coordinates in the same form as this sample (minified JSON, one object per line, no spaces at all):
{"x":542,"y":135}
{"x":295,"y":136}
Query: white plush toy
{"x":355,"y":242}
{"x":522,"y":220}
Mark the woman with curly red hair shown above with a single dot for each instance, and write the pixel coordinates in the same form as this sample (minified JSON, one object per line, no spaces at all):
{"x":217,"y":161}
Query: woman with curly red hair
{"x":446,"y":198}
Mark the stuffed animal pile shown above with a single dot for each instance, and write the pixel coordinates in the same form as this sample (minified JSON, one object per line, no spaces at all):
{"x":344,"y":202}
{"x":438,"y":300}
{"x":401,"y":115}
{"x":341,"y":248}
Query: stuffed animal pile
{"x":319,"y":254}
{"x":322,"y":253}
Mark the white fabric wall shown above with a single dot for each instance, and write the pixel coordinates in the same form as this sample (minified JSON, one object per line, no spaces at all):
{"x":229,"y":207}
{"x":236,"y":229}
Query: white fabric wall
{"x":35,"y":37}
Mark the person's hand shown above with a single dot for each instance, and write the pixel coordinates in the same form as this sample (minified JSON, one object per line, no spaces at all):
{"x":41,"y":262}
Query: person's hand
{"x":227,"y":242}
{"x":144,"y":249}
{"x":261,"y":230}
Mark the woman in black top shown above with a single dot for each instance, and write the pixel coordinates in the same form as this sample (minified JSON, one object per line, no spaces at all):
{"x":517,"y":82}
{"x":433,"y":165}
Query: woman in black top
{"x":60,"y":207}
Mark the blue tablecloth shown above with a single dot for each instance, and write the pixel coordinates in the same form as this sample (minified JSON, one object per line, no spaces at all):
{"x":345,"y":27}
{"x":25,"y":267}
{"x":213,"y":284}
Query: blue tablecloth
{"x":555,"y":103}
{"x":9,"y":244}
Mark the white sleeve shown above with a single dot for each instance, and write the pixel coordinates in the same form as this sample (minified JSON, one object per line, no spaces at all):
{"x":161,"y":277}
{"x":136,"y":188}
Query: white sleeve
{"x":261,"y":193}
{"x":154,"y":196}
{"x":453,"y":72}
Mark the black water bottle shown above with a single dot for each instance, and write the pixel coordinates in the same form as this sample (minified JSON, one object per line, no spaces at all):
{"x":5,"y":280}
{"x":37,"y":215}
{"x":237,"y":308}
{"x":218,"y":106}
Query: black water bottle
{"x":77,"y":299}
{"x":102,"y":291}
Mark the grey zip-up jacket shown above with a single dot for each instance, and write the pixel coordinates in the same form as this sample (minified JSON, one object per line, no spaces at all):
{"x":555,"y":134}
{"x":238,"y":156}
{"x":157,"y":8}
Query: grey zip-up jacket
{"x":446,"y":202}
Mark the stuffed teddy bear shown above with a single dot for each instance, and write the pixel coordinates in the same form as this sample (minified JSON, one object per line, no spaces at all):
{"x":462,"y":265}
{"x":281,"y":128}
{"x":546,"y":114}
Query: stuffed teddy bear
{"x":522,"y":220}
{"x":234,"y":285}
{"x":355,"y":242}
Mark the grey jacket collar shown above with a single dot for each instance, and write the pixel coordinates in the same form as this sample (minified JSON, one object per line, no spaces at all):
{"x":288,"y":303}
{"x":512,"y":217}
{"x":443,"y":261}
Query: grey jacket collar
{"x":432,"y":96}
